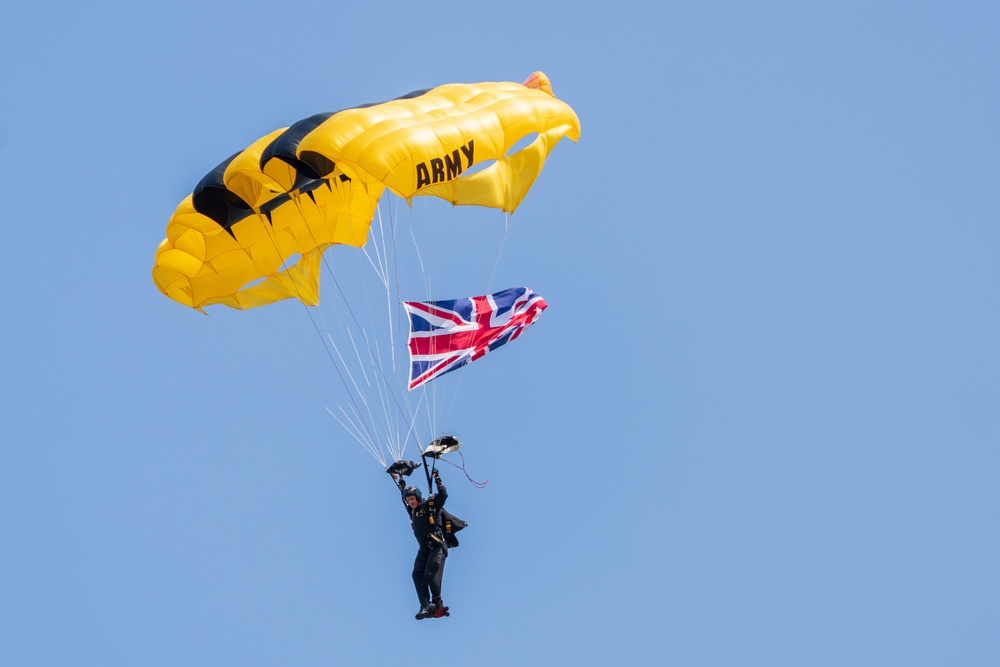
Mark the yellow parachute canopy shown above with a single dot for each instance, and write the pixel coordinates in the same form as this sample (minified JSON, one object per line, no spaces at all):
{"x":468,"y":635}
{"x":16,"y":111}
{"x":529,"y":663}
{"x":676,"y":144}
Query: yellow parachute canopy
{"x":299,"y":190}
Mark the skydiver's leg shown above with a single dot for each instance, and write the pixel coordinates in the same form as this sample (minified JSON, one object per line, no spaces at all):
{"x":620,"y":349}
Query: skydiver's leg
{"x":434,"y":571}
{"x":419,"y":577}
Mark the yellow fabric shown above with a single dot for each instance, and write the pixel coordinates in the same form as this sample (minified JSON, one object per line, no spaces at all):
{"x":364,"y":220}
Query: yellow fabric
{"x":505,"y":182}
{"x":420,"y":146}
{"x":200,"y":263}
{"x":396,"y":143}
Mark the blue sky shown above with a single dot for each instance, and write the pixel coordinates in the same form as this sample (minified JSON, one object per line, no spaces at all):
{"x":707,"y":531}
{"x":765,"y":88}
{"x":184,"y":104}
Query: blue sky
{"x":758,"y":424}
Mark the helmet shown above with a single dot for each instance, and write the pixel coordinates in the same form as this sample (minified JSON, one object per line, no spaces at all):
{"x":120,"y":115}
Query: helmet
{"x":413,"y":491}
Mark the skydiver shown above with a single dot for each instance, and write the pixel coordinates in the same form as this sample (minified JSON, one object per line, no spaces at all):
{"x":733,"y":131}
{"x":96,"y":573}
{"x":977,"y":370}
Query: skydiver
{"x":428,"y":567}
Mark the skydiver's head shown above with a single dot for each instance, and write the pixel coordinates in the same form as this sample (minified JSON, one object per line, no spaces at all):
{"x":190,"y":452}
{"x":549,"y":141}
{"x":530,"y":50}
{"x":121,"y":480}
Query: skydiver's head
{"x":412,"y":496}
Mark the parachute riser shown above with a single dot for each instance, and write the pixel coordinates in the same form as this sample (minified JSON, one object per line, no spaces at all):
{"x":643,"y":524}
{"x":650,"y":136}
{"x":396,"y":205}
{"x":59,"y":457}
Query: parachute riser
{"x":429,"y":471}
{"x":434,"y":451}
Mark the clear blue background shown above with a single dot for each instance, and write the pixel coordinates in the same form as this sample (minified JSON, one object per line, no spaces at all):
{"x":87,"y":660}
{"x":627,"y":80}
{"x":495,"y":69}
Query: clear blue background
{"x":757,"y":426}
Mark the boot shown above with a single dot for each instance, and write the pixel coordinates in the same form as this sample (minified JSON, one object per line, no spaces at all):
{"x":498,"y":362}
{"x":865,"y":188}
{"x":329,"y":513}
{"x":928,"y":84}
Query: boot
{"x":439,"y":608}
{"x":426,"y":611}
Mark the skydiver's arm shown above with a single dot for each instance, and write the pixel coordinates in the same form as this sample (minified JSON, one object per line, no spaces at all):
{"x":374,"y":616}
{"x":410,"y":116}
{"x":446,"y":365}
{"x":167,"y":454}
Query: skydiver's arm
{"x":442,"y":493}
{"x":402,"y":486}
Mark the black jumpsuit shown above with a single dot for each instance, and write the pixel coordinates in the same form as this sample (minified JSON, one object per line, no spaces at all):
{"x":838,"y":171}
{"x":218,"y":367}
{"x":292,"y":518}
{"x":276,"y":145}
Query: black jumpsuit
{"x":428,"y":567}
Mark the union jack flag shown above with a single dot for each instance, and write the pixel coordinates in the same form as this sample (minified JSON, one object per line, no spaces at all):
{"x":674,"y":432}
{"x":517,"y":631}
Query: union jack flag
{"x":445,"y":335}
